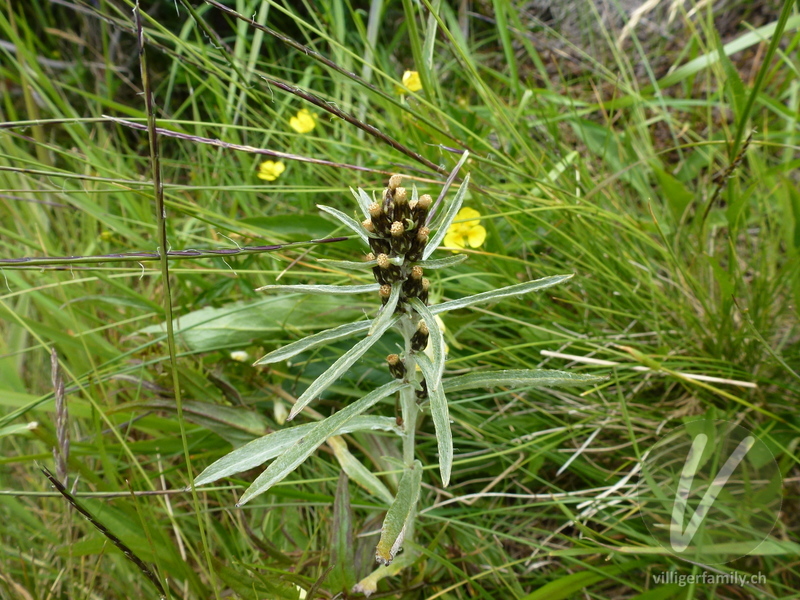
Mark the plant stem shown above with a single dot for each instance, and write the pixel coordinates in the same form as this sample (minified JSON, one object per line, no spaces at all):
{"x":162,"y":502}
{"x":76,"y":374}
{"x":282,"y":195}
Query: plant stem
{"x":409,"y":410}
{"x":408,"y":397}
{"x":408,"y":402}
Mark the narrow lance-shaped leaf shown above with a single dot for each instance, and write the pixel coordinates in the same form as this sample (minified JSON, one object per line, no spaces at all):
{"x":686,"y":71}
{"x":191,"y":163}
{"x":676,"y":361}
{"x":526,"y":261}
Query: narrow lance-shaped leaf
{"x":354,"y":265}
{"x":400,"y":514}
{"x":348,"y":222}
{"x":356,"y":470}
{"x":387,"y":311}
{"x":336,"y":370}
{"x":443,"y":263}
{"x":294,"y":456}
{"x":441,"y":420}
{"x":436,"y":338}
{"x":363,"y":200}
{"x":449,"y":216}
{"x":320,"y":289}
{"x":519,"y":378}
{"x":430,"y":221}
{"x":259,"y":451}
{"x":504,"y":292}
{"x":349,"y":265}
{"x":311,"y":341}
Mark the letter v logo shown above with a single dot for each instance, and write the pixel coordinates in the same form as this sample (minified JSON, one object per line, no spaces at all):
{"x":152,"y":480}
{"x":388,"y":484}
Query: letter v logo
{"x":680,"y":538}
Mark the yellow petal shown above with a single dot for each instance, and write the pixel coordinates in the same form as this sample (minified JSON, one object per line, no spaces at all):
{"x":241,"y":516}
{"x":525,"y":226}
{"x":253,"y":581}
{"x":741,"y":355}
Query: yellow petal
{"x":411,"y":81}
{"x":303,"y":122}
{"x":476,"y":236}
{"x":270,"y":170}
{"x":453,"y":239}
{"x":469,"y":218}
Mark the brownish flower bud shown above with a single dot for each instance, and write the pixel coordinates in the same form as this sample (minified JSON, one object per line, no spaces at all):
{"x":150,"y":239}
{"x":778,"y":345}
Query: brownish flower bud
{"x":380,"y":220}
{"x":383,"y":261}
{"x":398,"y":229}
{"x":417,"y":244}
{"x":367,"y":223}
{"x":401,"y":209}
{"x":419,"y":341}
{"x":395,"y":181}
{"x":384,"y":292}
{"x":380,"y":245}
{"x":380,"y":275}
{"x":396,"y":366}
{"x":423,"y":294}
{"x":369,"y":257}
{"x":389,"y":272}
{"x":413,"y":285}
{"x":400,"y":241}
{"x":420,"y":212}
{"x":423,"y":393}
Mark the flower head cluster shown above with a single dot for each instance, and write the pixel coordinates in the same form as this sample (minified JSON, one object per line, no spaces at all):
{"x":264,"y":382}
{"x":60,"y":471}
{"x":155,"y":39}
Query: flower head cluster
{"x":397,"y":238}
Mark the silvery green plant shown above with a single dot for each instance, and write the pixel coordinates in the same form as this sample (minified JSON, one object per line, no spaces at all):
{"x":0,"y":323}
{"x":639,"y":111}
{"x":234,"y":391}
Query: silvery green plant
{"x":401,"y":238}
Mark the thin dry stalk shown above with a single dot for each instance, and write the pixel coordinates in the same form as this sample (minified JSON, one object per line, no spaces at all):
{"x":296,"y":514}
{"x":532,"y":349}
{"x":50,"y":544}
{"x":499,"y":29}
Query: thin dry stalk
{"x":60,"y":452}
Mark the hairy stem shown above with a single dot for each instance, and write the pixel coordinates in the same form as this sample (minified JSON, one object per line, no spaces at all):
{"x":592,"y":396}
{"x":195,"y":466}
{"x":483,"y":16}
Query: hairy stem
{"x":408,"y":397}
{"x":408,"y":404}
{"x":409,"y":408}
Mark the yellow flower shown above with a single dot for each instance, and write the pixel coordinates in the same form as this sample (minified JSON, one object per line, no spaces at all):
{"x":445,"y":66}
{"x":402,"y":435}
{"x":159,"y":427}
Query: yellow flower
{"x":411,"y":81}
{"x":304,"y":121}
{"x":466,"y":232}
{"x":270,"y":170}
